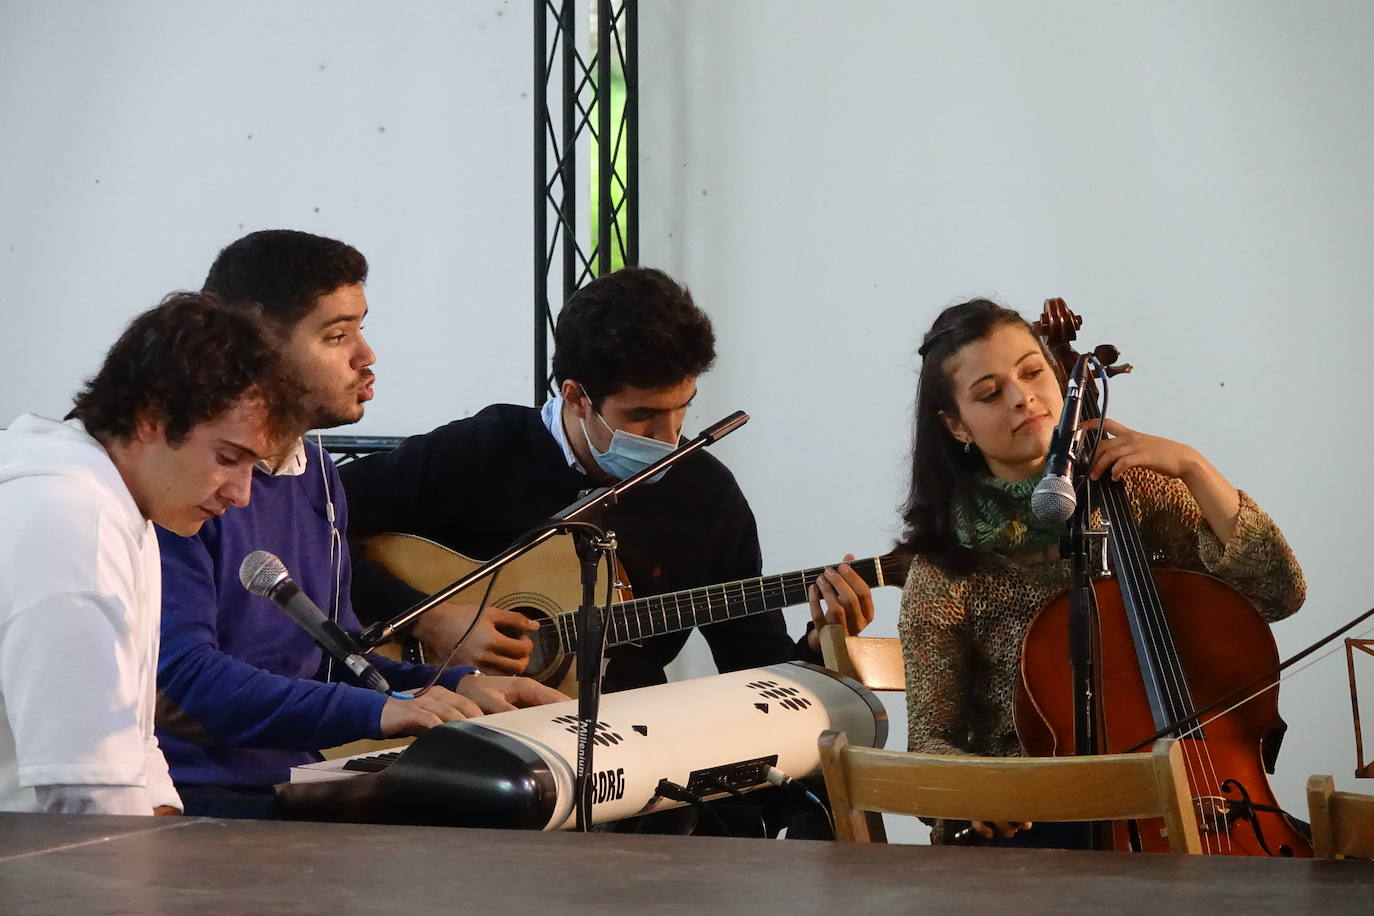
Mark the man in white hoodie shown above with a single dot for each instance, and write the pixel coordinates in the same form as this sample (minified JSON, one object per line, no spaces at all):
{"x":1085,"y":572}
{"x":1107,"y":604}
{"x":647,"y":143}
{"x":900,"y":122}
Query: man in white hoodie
{"x":167,"y":431}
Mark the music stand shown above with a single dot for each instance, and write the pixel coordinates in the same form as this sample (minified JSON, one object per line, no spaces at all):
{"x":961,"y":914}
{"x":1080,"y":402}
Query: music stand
{"x":1362,"y":769}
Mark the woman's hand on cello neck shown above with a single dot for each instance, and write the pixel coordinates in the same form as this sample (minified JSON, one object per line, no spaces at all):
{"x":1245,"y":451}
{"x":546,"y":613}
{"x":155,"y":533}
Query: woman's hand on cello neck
{"x":1124,"y":448}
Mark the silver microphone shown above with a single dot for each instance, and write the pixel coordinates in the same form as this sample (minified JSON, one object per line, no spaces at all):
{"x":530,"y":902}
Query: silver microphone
{"x":260,"y":572}
{"x":1054,"y":499}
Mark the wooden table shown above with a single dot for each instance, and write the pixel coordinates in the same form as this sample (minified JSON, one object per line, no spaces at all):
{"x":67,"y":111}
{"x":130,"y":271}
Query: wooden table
{"x":68,"y":864}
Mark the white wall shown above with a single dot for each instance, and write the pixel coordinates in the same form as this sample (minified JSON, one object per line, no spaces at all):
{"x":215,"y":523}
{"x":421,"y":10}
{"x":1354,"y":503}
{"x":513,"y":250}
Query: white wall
{"x":143,"y":136}
{"x":1192,"y":176}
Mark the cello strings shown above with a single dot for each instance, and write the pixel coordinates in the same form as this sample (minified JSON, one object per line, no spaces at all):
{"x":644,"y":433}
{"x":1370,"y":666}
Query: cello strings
{"x":1191,"y":768}
{"x":1274,"y":686}
{"x":1160,"y":641}
{"x":1131,"y":554}
{"x":1159,"y":648}
{"x":1265,"y":689}
{"x":1197,"y":757}
{"x":1164,"y":660}
{"x":1196,"y":764}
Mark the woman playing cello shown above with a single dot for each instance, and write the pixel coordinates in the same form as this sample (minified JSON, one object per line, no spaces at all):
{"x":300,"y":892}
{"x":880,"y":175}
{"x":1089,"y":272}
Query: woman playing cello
{"x":987,"y":402}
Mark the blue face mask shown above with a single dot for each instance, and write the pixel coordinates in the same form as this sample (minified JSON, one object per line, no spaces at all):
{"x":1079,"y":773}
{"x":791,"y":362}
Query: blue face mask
{"x":628,"y":454}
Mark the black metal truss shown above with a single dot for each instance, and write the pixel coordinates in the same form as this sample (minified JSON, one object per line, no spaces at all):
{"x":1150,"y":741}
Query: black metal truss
{"x":583,"y":95}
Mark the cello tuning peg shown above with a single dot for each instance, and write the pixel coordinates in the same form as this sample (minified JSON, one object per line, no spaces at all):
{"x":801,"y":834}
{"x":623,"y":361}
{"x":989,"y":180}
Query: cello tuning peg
{"x":1106,"y":354}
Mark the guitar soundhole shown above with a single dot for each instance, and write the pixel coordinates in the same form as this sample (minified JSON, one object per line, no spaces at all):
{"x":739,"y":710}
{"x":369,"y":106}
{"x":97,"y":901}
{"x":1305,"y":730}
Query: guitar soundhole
{"x":548,"y":647}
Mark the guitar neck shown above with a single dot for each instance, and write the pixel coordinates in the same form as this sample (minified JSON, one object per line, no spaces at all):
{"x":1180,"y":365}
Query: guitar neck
{"x":643,"y":618}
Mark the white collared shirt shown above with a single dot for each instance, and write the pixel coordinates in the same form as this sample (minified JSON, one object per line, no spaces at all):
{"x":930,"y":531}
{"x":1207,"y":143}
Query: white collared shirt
{"x":552,"y":415}
{"x":293,"y":465}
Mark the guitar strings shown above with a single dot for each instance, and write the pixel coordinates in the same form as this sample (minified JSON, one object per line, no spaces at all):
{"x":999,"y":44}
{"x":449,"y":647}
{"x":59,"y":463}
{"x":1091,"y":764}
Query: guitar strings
{"x":765,"y":592}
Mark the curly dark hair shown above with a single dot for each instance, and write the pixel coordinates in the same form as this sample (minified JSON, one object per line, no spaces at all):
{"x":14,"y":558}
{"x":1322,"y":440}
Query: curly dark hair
{"x":943,"y":475}
{"x":636,"y":327}
{"x":282,"y":272}
{"x":187,"y":360}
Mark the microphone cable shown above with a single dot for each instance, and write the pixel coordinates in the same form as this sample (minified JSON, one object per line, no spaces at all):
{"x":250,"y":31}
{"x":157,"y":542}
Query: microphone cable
{"x":443,"y":665}
{"x":757,"y":809}
{"x":778,"y":778}
{"x":674,"y":792}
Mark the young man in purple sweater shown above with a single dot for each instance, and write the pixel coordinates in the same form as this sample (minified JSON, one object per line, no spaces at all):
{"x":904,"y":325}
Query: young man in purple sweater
{"x":244,"y":694}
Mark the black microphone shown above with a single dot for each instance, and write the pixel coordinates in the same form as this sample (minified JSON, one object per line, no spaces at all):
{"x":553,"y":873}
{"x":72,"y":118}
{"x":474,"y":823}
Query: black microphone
{"x":1054,"y":499}
{"x":265,"y":575}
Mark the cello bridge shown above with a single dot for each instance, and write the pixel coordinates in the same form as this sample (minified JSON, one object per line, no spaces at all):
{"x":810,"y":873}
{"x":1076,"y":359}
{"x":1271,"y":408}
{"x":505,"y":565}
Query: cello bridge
{"x":1213,"y":813}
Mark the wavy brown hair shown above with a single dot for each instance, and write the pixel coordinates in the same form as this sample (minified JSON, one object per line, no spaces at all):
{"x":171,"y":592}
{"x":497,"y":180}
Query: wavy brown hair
{"x":185,"y":362}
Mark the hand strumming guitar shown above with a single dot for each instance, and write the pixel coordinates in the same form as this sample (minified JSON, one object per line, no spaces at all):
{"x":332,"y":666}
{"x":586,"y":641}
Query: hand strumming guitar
{"x":490,"y":647}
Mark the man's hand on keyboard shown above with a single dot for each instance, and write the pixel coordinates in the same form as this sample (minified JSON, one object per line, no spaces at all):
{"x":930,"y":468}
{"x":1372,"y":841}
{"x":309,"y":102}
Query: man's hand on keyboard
{"x":475,"y":695}
{"x":433,"y":707}
{"x":501,"y":694}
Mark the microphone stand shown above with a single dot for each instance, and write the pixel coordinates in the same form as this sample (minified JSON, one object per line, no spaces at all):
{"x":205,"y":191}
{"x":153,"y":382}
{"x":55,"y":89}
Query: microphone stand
{"x":1083,"y":634}
{"x":591,"y":655}
{"x":1082,"y":624}
{"x":1074,"y":546}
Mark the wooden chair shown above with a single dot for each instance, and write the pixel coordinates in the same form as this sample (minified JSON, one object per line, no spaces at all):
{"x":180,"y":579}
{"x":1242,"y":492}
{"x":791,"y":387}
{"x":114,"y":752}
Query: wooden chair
{"x":1342,"y":822}
{"x":875,"y":662}
{"x":864,"y":781}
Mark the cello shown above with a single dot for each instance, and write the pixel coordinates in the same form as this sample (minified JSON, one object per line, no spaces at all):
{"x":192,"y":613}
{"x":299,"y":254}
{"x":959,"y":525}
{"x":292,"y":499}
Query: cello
{"x":1165,"y":644}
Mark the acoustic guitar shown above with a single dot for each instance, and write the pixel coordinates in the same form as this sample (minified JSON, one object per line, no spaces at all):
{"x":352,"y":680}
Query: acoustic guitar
{"x":545,"y":585}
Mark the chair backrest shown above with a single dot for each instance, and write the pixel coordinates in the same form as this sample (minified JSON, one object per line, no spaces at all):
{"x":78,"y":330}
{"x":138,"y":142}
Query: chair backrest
{"x":864,"y":781}
{"x":874,"y":661}
{"x":1342,"y":822}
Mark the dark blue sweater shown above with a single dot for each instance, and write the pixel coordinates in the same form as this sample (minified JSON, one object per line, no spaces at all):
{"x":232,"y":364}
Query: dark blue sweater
{"x":243,"y":691}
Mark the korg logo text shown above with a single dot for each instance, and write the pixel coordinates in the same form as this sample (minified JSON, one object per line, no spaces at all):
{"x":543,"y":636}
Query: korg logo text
{"x":608,"y":785}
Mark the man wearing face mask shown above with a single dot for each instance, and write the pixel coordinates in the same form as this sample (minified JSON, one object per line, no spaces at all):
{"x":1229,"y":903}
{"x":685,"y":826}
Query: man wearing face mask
{"x":629,"y":348}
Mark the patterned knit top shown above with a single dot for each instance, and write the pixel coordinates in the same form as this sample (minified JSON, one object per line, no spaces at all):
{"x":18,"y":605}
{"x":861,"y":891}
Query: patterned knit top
{"x":961,"y":635}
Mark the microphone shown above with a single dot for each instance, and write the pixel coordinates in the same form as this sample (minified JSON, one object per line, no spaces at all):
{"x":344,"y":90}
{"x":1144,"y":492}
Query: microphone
{"x":1054,"y":499}
{"x":265,"y":575}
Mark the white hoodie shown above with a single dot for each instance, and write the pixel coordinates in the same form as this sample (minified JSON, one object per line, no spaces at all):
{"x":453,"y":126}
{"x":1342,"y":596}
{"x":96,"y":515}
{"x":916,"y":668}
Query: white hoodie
{"x":80,"y":600}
